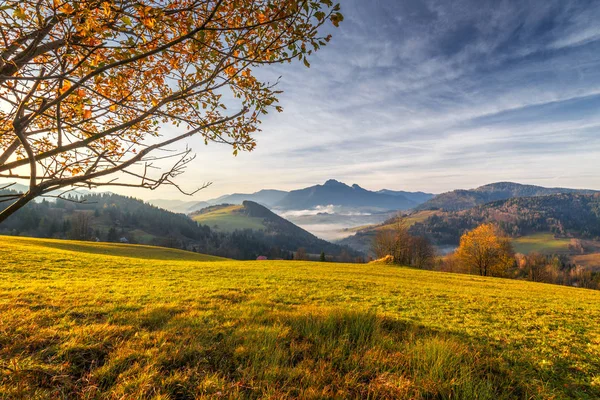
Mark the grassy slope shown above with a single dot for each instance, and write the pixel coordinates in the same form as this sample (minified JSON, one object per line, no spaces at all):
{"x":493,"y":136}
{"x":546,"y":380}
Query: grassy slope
{"x":419,"y":216}
{"x":228,"y":219}
{"x":411,"y":219}
{"x":111,"y":327}
{"x":544,"y":243}
{"x":72,"y":248}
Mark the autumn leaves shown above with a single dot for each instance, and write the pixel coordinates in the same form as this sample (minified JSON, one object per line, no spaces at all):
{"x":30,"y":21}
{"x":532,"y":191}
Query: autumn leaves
{"x":90,"y":83}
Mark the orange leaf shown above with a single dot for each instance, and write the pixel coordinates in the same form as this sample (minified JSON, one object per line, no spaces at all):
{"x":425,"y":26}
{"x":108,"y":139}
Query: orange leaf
{"x":67,"y":9}
{"x":65,"y":86}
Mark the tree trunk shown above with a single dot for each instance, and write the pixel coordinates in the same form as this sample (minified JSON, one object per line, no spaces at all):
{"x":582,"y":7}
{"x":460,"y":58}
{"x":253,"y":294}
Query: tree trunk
{"x":17,"y":205}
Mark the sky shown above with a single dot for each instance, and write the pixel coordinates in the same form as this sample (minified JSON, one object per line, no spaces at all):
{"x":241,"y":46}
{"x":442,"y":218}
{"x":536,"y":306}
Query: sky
{"x":430,"y":96}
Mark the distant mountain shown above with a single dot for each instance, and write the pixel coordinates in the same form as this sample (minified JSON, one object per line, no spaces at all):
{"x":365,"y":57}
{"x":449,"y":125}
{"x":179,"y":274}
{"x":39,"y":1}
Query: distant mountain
{"x":465,"y":199}
{"x":17,"y":187}
{"x":416,"y":197}
{"x":331,"y":193}
{"x":340,"y":194}
{"x":266,"y":197}
{"x":179,"y":206}
{"x":253,"y":216}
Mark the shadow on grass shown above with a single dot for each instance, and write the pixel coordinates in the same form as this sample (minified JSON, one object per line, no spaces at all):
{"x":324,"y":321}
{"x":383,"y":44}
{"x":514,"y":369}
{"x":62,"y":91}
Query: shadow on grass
{"x":126,"y":250}
{"x":305,"y":353}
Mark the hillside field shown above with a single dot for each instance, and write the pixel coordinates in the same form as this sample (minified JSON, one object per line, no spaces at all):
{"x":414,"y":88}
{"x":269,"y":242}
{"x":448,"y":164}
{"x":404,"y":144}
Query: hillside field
{"x":76,"y":322}
{"x":544,"y":243}
{"x":228,"y":219}
{"x":409,"y":220}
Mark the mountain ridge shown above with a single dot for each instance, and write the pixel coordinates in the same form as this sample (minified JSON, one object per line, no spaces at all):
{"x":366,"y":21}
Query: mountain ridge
{"x":334,"y":192}
{"x":283,"y":233}
{"x":463,"y":199}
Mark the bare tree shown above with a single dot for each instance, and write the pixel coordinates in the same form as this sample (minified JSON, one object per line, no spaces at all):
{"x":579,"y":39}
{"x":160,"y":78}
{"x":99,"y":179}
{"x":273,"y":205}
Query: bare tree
{"x":395,"y":240}
{"x":301,"y":254}
{"x":80,"y":226}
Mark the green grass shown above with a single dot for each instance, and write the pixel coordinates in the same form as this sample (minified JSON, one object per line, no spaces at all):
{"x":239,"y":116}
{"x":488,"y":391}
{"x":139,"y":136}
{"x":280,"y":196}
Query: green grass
{"x":410,"y":220}
{"x":544,"y":243}
{"x":80,"y":249}
{"x":228,"y":219}
{"x":87,"y":325}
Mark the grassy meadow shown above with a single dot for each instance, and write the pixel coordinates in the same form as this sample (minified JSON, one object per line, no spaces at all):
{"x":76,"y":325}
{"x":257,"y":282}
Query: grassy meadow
{"x":229,"y":219}
{"x":98,"y":321}
{"x":544,"y":243}
{"x":409,"y":220}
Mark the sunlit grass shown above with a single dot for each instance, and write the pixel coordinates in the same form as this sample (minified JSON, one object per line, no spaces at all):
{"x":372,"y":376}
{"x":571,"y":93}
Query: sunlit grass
{"x":228,"y":219}
{"x":409,"y":220}
{"x":81,"y":324}
{"x":544,"y":243}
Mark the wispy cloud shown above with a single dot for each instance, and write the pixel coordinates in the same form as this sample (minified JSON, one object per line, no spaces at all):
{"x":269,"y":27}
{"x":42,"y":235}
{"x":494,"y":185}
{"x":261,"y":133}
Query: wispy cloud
{"x":433,"y":95}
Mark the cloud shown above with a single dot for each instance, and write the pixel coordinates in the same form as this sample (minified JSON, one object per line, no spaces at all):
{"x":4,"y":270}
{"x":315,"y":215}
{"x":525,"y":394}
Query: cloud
{"x":432,"y":95}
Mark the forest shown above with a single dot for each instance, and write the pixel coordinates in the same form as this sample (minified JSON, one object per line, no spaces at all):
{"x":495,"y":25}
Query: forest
{"x":113,"y":218}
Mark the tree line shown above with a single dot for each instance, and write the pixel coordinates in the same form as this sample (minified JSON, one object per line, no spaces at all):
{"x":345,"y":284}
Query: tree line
{"x":113,"y":218}
{"x":486,"y":251}
{"x":565,"y":215}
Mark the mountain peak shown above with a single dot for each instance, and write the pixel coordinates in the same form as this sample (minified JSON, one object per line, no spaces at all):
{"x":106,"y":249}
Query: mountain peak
{"x":333,"y":182}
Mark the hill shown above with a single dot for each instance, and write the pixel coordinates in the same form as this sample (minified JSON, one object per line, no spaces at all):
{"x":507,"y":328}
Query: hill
{"x":362,"y":239}
{"x":109,"y":249}
{"x":116,"y":327}
{"x":253,"y":216}
{"x":567,"y":224}
{"x":340,"y":194}
{"x":563,"y":215}
{"x":415,"y":197}
{"x":179,"y":206}
{"x":265,"y":197}
{"x":227,"y":218}
{"x":464,"y":199}
{"x":113,"y":218}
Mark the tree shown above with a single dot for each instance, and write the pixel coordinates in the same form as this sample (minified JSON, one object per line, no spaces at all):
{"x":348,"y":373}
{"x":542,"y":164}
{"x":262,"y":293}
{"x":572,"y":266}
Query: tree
{"x":80,"y":226}
{"x":301,"y":254}
{"x":486,"y":251}
{"x":322,"y":257}
{"x":394,"y":241}
{"x":535,"y":267}
{"x":404,"y":248}
{"x":87,"y":85}
{"x":422,"y":252}
{"x":112,"y":235}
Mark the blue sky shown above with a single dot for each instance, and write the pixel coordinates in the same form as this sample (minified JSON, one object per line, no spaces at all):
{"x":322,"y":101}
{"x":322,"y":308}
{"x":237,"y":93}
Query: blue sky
{"x":433,"y":96}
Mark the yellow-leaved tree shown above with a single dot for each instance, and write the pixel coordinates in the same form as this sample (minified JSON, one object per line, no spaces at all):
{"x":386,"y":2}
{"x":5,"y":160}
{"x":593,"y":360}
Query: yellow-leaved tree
{"x":486,"y":251}
{"x":86,"y":85}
